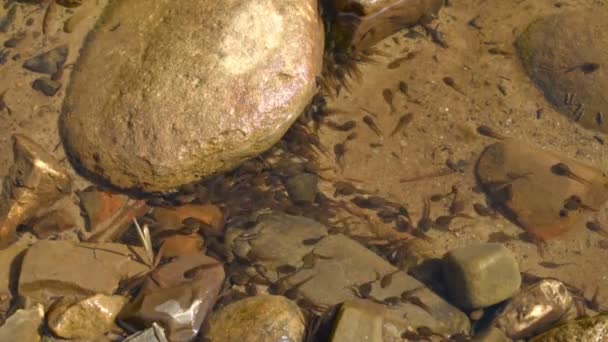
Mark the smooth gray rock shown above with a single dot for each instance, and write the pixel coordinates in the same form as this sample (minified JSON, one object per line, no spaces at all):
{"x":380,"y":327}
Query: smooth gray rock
{"x":303,"y":187}
{"x":217,"y":83}
{"x":23,"y":325}
{"x":480,"y":275}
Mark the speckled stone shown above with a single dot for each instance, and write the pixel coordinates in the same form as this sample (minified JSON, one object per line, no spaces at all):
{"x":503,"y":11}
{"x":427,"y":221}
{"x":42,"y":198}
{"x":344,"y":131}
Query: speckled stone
{"x":188,"y":91}
{"x":257,"y":319}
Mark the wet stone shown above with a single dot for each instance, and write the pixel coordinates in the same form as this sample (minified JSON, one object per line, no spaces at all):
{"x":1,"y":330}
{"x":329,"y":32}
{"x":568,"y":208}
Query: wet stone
{"x":46,"y":86}
{"x":535,"y":309}
{"x":523,"y":181}
{"x":362,"y":320}
{"x":23,"y":325}
{"x":302,"y":188}
{"x":49,"y":62}
{"x":52,"y":224}
{"x":254,"y":73}
{"x":481,"y":275}
{"x":179,"y":296}
{"x":86,"y":319}
{"x":329,"y":268}
{"x":35,"y":180}
{"x":565,"y":56}
{"x":153,"y":334}
{"x":585,"y":329}
{"x":207,"y":217}
{"x":260,"y":318}
{"x":85,"y":269}
{"x":491,"y":334}
{"x":379,"y":19}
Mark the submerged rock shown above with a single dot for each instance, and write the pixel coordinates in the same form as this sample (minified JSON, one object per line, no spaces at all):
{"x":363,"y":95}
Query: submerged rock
{"x":535,"y":309}
{"x":328,"y":267}
{"x":178,"y":296}
{"x":54,"y":269}
{"x":585,"y":329}
{"x":565,"y":55}
{"x":221,"y":82}
{"x":153,"y":334}
{"x":10,"y":260}
{"x":531,"y":187}
{"x":481,"y":275}
{"x":46,"y":86}
{"x":49,"y":62}
{"x":257,"y":319}
{"x":23,"y":325}
{"x":35,"y":180}
{"x":86,"y":319}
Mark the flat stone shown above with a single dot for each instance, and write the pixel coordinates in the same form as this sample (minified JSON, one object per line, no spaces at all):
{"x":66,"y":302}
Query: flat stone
{"x":585,"y":329}
{"x":179,"y":297}
{"x":35,"y":180}
{"x":362,"y":320}
{"x":535,"y":309}
{"x":49,"y":62}
{"x":554,"y":50}
{"x":46,"y":86}
{"x":10,"y":260}
{"x":53,"y":269}
{"x":209,"y":215}
{"x":481,"y":275}
{"x":154,"y":334}
{"x":519,"y":178}
{"x":23,"y":325}
{"x":256,"y":319}
{"x":379,"y":19}
{"x":336,"y":264}
{"x":86,"y":319}
{"x":303,"y":187}
{"x":52,"y":223}
{"x":163,"y":111}
{"x":491,"y":334}
{"x":108,"y":215}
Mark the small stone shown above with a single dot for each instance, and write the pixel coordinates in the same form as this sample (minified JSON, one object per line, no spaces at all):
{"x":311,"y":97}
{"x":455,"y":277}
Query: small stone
{"x":4,"y":53}
{"x":585,"y":329}
{"x":176,"y":245}
{"x":8,"y":19}
{"x":179,"y":296}
{"x":302,"y":188}
{"x":491,"y":334}
{"x":76,"y":269}
{"x":23,"y":325}
{"x":34,"y":180}
{"x":86,"y":319}
{"x":535,"y":309}
{"x":362,"y":320}
{"x":46,"y":86}
{"x":49,"y":62}
{"x":12,"y":42}
{"x":51,"y":224}
{"x":480,"y":275}
{"x":261,"y":318}
{"x":154,"y":334}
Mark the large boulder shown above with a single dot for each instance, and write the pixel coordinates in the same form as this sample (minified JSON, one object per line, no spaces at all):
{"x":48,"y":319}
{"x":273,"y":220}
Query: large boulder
{"x":565,"y":55}
{"x":166,"y":92}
